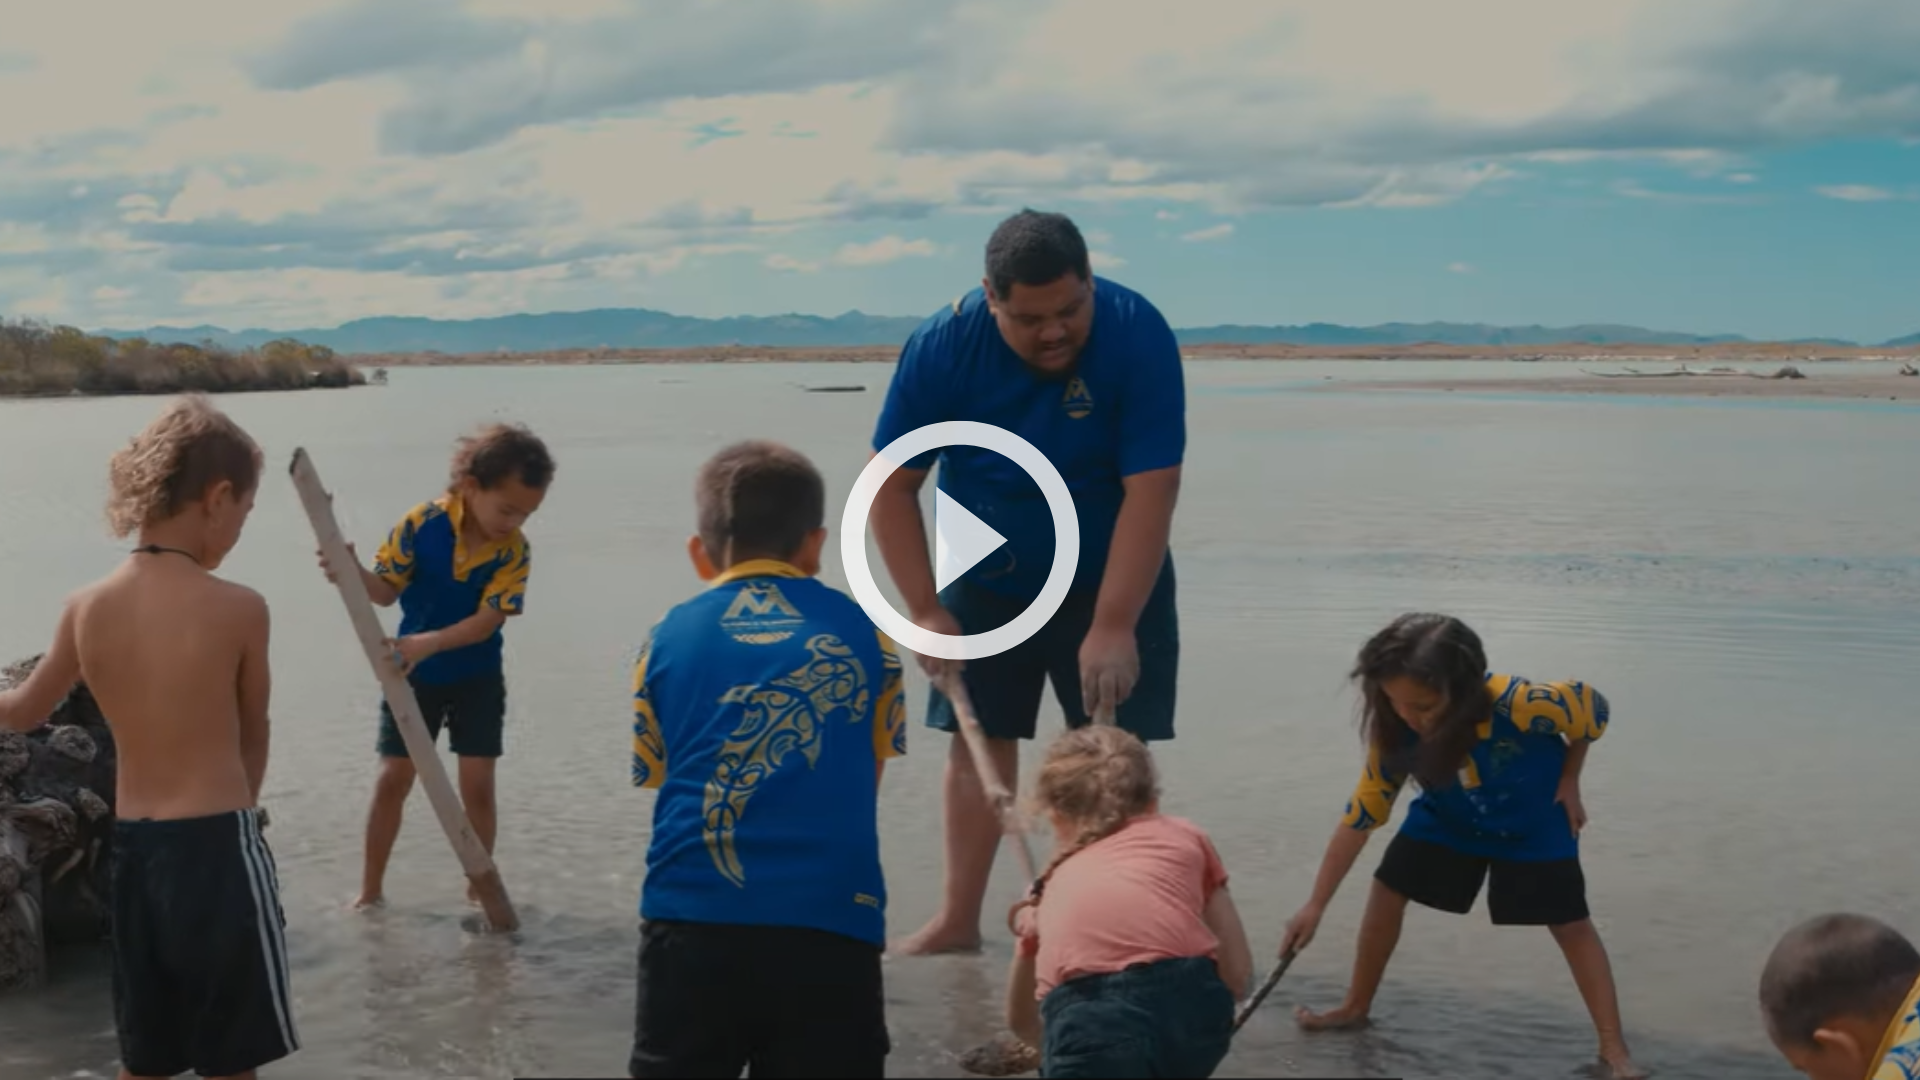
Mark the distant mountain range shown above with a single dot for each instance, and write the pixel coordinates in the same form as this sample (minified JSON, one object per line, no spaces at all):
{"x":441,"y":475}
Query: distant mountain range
{"x":639,"y":328}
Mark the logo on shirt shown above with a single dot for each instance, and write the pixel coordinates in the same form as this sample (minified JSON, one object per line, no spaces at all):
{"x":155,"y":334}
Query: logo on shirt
{"x":780,"y":721}
{"x":1077,"y":401}
{"x":760,"y":615}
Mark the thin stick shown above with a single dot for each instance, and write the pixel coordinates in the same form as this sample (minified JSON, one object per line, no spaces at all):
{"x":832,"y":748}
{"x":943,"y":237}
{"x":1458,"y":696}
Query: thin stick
{"x":997,"y":792}
{"x":1260,"y":995}
{"x":406,"y":708}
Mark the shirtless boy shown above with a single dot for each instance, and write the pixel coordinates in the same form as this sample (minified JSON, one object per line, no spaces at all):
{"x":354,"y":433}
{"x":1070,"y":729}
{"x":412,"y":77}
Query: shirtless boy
{"x":177,"y":660}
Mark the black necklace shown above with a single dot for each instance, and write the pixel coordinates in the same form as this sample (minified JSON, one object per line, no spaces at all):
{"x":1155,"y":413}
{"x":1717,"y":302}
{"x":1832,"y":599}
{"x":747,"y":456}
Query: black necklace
{"x":156,"y":549}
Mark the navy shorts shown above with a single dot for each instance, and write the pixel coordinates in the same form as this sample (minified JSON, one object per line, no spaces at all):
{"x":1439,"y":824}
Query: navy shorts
{"x":473,"y":711}
{"x":1546,"y":893}
{"x":716,"y":1000}
{"x":1006,"y":688}
{"x":1168,"y":1018}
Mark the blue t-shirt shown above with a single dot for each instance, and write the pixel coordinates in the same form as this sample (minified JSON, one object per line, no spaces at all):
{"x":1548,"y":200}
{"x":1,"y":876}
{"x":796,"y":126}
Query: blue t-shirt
{"x":1502,"y":804}
{"x":762,"y":708}
{"x":442,"y":583}
{"x":1121,"y":412}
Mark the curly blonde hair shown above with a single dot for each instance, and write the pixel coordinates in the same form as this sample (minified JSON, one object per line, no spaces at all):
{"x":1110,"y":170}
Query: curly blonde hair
{"x":1098,"y":778}
{"x":188,"y":448}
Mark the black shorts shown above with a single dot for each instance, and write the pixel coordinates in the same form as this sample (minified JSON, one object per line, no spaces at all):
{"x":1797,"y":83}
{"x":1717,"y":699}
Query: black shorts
{"x":199,"y":947}
{"x":1006,"y":688}
{"x":1551,"y":893}
{"x":717,"y":999}
{"x":474,"y":712}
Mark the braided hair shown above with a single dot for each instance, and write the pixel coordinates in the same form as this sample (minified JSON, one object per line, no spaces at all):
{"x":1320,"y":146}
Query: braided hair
{"x":1098,"y":778}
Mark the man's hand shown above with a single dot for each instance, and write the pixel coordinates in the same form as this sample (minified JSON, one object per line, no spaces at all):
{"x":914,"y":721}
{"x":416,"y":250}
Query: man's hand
{"x":940,"y":621}
{"x":1568,"y":795}
{"x":1109,"y":666}
{"x":409,"y":651}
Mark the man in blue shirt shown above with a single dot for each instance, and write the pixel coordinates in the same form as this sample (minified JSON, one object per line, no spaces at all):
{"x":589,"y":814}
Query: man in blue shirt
{"x":1089,"y":373}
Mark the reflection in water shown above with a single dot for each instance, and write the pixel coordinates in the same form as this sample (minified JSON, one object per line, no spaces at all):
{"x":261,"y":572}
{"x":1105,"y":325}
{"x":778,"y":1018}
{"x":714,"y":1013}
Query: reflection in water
{"x":1738,"y":578}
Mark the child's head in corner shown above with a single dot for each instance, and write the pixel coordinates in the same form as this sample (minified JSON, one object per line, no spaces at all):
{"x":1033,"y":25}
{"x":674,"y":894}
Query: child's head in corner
{"x":187,"y":482}
{"x":1094,"y":780}
{"x":1424,"y":675}
{"x":758,"y":500}
{"x":501,"y":473}
{"x":1832,"y":988}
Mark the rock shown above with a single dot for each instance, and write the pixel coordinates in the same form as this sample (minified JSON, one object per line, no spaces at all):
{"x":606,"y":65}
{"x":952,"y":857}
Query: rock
{"x":56,"y":834}
{"x":1003,"y":1055}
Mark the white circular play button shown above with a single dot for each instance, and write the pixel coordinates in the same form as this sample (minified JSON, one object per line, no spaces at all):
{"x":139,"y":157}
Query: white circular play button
{"x":961,"y":539}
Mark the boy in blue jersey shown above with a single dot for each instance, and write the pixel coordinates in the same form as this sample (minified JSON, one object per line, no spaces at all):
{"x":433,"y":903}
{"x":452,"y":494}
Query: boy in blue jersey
{"x":1089,"y":373}
{"x":764,"y":711}
{"x":1841,"y":999}
{"x":458,"y":567}
{"x":1498,"y":762}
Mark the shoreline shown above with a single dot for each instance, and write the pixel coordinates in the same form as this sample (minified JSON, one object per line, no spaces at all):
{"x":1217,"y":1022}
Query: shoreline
{"x":1864,"y":386}
{"x":1773,"y":353}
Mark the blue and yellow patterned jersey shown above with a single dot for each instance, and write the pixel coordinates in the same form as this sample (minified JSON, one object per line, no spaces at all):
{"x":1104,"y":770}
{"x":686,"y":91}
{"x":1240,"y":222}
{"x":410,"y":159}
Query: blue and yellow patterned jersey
{"x":442,"y":583}
{"x":1899,"y":1056}
{"x":1502,"y":805}
{"x":761,"y":710}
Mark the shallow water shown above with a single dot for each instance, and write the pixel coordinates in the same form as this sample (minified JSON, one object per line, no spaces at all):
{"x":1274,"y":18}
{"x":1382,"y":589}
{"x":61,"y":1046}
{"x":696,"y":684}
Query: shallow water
{"x":1740,"y":577}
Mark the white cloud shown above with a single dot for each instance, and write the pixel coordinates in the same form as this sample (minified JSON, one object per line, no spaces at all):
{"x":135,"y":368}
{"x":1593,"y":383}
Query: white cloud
{"x":885,"y":250}
{"x":1856,"y":193}
{"x":1211,"y":232}
{"x":313,"y":159}
{"x":1459,"y":268}
{"x":789,"y":264}
{"x":1105,"y":260}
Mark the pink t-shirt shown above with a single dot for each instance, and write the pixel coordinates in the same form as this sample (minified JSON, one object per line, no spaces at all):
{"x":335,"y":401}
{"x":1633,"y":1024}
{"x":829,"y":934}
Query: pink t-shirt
{"x":1135,"y":897}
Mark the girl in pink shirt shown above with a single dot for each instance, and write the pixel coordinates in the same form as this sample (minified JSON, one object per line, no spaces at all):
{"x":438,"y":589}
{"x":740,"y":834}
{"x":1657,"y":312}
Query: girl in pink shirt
{"x":1131,"y":954}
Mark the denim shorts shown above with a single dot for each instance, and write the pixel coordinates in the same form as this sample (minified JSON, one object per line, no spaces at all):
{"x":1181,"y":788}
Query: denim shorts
{"x":1006,"y":688}
{"x":1168,"y":1018}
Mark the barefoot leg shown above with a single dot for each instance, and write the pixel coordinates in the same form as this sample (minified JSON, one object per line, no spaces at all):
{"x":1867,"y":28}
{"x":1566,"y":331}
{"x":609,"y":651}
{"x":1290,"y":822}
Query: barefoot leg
{"x":476,"y":797}
{"x":973,"y":838}
{"x":1593,"y":974}
{"x":390,"y":791}
{"x":1379,"y":934}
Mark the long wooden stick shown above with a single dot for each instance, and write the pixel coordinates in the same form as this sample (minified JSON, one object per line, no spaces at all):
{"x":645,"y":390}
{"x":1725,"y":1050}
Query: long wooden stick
{"x":1273,"y":980}
{"x":406,"y":708}
{"x":1002,"y":798}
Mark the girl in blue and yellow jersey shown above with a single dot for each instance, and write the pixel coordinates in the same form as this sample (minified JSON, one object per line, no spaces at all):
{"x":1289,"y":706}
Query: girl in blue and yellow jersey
{"x":1498,"y":760}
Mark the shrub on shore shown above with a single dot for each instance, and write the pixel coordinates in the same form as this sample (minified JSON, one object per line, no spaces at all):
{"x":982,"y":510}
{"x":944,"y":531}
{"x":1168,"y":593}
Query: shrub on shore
{"x":41,"y":360}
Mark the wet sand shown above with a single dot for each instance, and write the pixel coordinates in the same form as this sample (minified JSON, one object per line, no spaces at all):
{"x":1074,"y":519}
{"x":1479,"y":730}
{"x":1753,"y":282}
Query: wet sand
{"x":1825,"y":385}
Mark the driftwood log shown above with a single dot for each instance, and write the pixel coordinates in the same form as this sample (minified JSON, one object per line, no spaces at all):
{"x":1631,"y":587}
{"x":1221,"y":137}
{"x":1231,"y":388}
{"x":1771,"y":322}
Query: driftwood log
{"x":56,"y":833}
{"x":1787,"y":372}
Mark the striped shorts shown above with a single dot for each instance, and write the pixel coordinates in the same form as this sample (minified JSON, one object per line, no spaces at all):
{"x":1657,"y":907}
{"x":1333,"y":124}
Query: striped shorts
{"x":199,"y":947}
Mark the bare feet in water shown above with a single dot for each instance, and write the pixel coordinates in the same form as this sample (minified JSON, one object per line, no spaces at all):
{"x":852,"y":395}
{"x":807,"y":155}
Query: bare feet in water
{"x":1615,"y":1055}
{"x":937,"y":938}
{"x":369,"y":902}
{"x":1340,"y":1019}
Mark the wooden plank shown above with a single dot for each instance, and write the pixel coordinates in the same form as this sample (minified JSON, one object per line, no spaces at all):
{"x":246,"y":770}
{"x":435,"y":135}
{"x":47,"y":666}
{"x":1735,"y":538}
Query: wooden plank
{"x":406,"y":709}
{"x":996,"y":788}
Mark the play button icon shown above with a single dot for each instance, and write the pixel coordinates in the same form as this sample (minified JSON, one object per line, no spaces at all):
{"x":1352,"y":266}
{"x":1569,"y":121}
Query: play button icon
{"x":960,"y":539}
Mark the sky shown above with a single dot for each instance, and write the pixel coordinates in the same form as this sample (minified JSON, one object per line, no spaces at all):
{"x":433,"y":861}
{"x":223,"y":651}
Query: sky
{"x":1714,"y":166}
